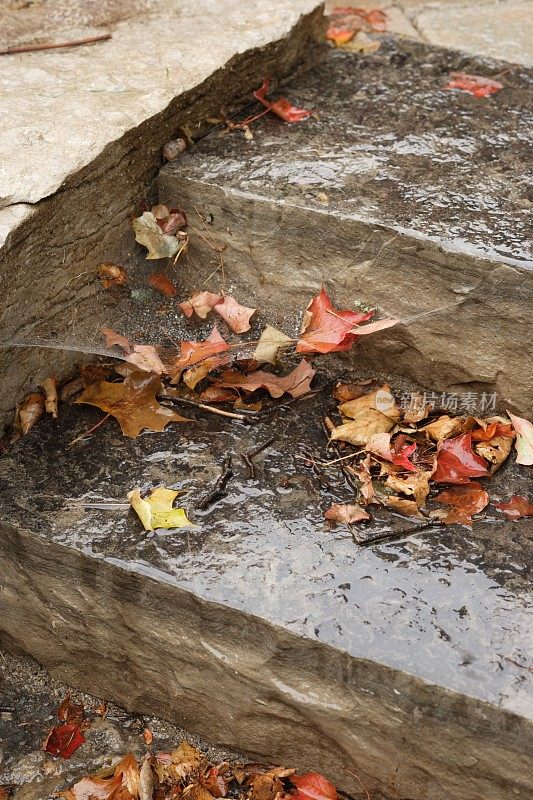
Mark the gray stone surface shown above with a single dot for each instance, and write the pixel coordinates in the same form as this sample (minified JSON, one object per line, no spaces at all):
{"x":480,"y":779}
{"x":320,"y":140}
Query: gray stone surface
{"x":405,"y":663}
{"x":399,"y":194}
{"x":92,"y":121}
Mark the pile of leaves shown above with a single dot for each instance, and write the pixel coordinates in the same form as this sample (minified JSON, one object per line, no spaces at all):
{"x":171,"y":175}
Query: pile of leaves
{"x":402,"y":458}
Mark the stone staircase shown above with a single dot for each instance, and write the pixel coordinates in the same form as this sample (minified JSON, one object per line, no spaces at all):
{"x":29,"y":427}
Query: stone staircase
{"x":406,"y":663}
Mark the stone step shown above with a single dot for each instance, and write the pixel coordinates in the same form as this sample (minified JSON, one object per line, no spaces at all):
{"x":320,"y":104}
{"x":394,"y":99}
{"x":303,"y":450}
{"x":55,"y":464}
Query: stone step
{"x":399,"y":193}
{"x":263,"y":629}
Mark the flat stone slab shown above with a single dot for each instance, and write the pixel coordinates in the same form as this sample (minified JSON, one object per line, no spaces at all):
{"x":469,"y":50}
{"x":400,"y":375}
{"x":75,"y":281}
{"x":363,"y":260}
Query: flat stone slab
{"x":320,"y":651}
{"x":400,"y":194}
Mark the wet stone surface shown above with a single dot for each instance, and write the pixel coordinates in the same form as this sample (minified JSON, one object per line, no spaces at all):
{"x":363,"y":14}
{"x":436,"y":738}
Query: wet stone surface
{"x":445,"y":605}
{"x":390,"y":145}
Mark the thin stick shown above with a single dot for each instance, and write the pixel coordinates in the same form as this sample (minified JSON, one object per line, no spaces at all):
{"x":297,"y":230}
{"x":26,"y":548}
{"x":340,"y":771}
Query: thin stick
{"x":380,"y":537}
{"x":86,"y":433}
{"x":204,"y":407}
{"x":359,"y":781}
{"x":30,"y":48}
{"x":219,"y":489}
{"x":342,"y":458}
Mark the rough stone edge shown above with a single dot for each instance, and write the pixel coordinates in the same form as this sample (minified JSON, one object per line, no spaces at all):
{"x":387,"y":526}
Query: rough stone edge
{"x":146,"y":644}
{"x":68,"y":246}
{"x":359,"y":258}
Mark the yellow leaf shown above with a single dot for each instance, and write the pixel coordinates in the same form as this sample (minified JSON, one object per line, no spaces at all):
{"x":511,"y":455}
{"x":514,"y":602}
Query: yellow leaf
{"x":156,"y":511}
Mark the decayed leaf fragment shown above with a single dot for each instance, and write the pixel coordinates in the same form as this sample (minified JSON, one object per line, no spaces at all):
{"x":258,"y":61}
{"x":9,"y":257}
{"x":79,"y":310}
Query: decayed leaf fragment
{"x":518,"y":506}
{"x":466,"y":500}
{"x":457,"y":462}
{"x":112,"y":275}
{"x":149,"y":234}
{"x":494,"y":450}
{"x":29,"y":411}
{"x":133,"y":403}
{"x":327,"y":330}
{"x":346,"y":512}
{"x":281,"y":107}
{"x":156,"y":510}
{"x":524,"y":439}
{"x":416,"y":486}
{"x":270,"y":343}
{"x":296,"y":383}
{"x":477,"y":85}
{"x":408,"y":508}
{"x":370,"y":414}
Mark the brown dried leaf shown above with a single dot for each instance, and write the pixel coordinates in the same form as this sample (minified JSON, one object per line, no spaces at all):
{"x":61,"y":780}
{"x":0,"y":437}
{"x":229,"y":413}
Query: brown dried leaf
{"x":112,"y":275}
{"x":50,"y":396}
{"x":29,"y":411}
{"x":409,"y":508}
{"x":416,"y":485}
{"x":270,"y":343}
{"x":347,"y":513}
{"x":442,"y":428}
{"x":265,"y":787}
{"x":495,"y":451}
{"x":132,"y":403}
{"x":236,"y":315}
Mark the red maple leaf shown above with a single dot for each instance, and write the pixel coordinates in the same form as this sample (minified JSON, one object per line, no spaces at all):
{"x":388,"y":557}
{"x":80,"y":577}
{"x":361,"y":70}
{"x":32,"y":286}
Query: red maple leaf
{"x":63,"y":740}
{"x":296,"y":383}
{"x":313,"y":786}
{"x":457,"y":462}
{"x":281,"y":107}
{"x":326,"y":330}
{"x":477,"y":85}
{"x":518,"y":506}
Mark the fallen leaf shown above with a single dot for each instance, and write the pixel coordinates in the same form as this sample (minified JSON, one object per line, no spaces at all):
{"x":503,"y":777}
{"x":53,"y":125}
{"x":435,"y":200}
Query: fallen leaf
{"x":361,"y":43}
{"x":101,"y":709}
{"x":195,"y":374}
{"x":112,"y":339}
{"x":216,"y":394}
{"x":477,"y":85}
{"x":296,"y":383}
{"x":146,"y":780}
{"x":346,"y":22}
{"x":281,"y":107}
{"x":170,"y":220}
{"x":148,"y":736}
{"x":215,"y":783}
{"x":93,"y":788}
{"x":313,"y":786}
{"x":524,"y":439}
{"x":495,"y":451}
{"x":466,"y":500}
{"x":380,"y":445}
{"x":343,"y":392}
{"x":442,"y":428}
{"x":409,"y":508}
{"x":362,"y":472}
{"x":326,"y":330}
{"x":112,"y":275}
{"x":236,"y":316}
{"x":132,"y":403}
{"x":149,"y":234}
{"x":418,"y":409}
{"x":70,"y":712}
{"x":63,"y":740}
{"x":517,"y":507}
{"x":270,"y":343}
{"x":348,"y":513}
{"x":145,"y":357}
{"x":374,"y":327}
{"x":370,"y":414}
{"x":457,"y":462}
{"x":156,"y":511}
{"x":194,"y":352}
{"x":239,"y":403}
{"x":29,"y":411}
{"x":416,"y":486}
{"x":200,"y":303}
{"x":265,"y":786}
{"x":159,"y":281}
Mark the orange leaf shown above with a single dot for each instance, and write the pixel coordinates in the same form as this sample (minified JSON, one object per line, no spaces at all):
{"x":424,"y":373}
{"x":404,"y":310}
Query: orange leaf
{"x":160,"y":282}
{"x":237,"y":316}
{"x":112,"y":339}
{"x":296,"y":383}
{"x":281,"y":107}
{"x":466,"y":500}
{"x":132,"y":403}
{"x":326,"y":330}
{"x":476,"y":85}
{"x":70,"y":712}
{"x":112,"y":275}
{"x":148,"y":736}
{"x":313,"y":786}
{"x":200,"y":303}
{"x":194,"y":352}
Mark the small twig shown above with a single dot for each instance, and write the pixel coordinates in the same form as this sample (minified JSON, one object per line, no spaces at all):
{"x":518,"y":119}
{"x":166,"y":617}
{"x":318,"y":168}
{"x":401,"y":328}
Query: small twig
{"x":30,"y":48}
{"x":211,"y":409}
{"x":247,"y":457}
{"x":342,"y":458}
{"x":219,"y":489}
{"x":87,"y":433}
{"x":517,"y":664}
{"x":360,"y":782}
{"x":385,"y":535}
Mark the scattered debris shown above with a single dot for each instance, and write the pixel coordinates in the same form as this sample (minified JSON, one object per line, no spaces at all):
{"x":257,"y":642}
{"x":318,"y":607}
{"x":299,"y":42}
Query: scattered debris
{"x":476,"y":85}
{"x":281,"y":107}
{"x":63,"y":740}
{"x":162,"y":232}
{"x":347,"y":23}
{"x":174,"y":148}
{"x":112,"y":275}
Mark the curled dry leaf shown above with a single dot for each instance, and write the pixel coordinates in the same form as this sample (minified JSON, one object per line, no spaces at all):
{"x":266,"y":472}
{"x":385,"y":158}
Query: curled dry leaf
{"x":524,"y":439}
{"x":145,"y":357}
{"x":156,"y":510}
{"x":327,"y":330}
{"x":494,"y":450}
{"x":281,"y":107}
{"x":416,"y":486}
{"x":112,"y":275}
{"x":236,"y":315}
{"x":296,"y":383}
{"x":515,"y":508}
{"x":370,"y":414}
{"x":170,"y":220}
{"x":408,"y":508}
{"x":114,"y":339}
{"x":346,"y":512}
{"x":215,"y":782}
{"x":200,"y":304}
{"x":457,"y":462}
{"x":148,"y":736}
{"x":265,"y":786}
{"x":477,"y":85}
{"x":146,"y":780}
{"x":465,"y":500}
{"x":271,"y":342}
{"x":418,"y":409}
{"x":442,"y":428}
{"x":72,"y":713}
{"x":29,"y":411}
{"x":159,"y":245}
{"x":159,"y":281}
{"x":133,"y":403}
{"x":379,"y":444}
